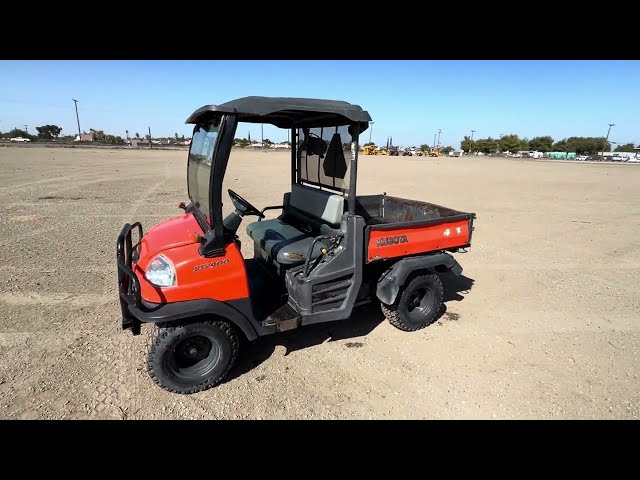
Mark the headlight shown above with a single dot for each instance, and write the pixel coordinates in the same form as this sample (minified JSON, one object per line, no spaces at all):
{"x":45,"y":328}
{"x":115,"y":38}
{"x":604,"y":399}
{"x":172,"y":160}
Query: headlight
{"x":161,"y":272}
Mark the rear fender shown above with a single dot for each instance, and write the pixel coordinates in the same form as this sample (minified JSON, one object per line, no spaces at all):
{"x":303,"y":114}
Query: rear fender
{"x":390,"y":282}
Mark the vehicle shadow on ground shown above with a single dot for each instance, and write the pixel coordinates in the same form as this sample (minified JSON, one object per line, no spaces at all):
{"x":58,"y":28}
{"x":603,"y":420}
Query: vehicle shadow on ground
{"x":362,"y":322}
{"x":455,"y":287}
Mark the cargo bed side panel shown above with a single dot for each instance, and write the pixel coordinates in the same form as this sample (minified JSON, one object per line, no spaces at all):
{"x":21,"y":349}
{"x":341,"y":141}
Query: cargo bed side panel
{"x":384,"y":243}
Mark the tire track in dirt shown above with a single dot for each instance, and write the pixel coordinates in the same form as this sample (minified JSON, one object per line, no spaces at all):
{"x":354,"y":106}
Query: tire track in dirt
{"x":91,"y":182}
{"x":120,"y":360}
{"x":13,"y":189}
{"x":146,"y":194}
{"x":87,"y":269}
{"x":47,"y":300}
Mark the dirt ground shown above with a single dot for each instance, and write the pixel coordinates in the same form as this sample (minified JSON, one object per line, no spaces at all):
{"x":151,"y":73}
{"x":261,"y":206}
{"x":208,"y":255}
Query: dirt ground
{"x":549,"y":327}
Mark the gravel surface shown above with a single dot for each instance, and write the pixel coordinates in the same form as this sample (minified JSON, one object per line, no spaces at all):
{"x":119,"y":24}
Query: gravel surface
{"x":544,"y":324}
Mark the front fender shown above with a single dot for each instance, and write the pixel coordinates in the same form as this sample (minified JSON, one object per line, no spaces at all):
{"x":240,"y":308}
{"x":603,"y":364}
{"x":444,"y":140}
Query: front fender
{"x":175,"y":311}
{"x":394,"y":277}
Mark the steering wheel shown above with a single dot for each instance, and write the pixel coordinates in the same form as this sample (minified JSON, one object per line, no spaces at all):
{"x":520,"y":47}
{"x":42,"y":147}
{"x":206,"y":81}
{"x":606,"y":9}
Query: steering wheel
{"x":242,"y":206}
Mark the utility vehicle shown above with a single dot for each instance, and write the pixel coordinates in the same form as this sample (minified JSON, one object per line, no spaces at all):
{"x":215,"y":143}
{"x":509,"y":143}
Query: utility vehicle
{"x":327,"y":252}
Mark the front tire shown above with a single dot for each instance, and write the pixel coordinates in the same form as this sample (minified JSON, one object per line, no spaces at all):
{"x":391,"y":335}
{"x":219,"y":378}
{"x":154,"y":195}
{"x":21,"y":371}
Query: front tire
{"x":417,"y":304}
{"x":193,"y":357}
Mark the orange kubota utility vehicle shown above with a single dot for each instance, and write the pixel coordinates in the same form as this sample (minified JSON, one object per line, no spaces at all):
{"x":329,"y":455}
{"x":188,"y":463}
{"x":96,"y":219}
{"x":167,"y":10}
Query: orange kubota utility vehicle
{"x":327,"y":252}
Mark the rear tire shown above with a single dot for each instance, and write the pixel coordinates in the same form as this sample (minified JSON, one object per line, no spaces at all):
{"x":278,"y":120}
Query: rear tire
{"x":193,"y":357}
{"x":417,"y":304}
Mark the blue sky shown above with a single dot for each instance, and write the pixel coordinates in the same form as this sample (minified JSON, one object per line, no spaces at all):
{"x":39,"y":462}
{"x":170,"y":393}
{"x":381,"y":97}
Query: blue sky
{"x":408,"y":100}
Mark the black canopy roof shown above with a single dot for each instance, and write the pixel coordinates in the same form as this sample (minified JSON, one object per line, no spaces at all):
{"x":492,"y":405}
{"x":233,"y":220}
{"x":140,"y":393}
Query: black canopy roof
{"x":285,"y":112}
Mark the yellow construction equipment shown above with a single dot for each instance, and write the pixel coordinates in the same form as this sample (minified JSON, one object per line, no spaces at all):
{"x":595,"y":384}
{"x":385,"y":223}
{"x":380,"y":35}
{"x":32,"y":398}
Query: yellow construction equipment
{"x":369,"y":150}
{"x":435,"y":152}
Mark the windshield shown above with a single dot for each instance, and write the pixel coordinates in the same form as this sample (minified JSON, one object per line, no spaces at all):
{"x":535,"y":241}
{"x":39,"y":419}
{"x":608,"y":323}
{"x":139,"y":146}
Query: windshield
{"x":203,"y":145}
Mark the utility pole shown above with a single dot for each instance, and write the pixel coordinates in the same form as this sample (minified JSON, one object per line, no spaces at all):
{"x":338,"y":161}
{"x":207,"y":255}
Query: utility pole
{"x":26,"y":129}
{"x":439,"y":132}
{"x":150,"y":144}
{"x":606,"y":139}
{"x":471,"y":144}
{"x":78,"y":119}
{"x":371,"y":131}
{"x":262,"y":133}
{"x":435,"y":135}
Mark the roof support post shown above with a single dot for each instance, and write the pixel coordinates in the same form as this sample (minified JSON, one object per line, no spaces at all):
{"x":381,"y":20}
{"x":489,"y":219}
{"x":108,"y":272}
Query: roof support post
{"x":294,"y":157}
{"x":353,"y":170}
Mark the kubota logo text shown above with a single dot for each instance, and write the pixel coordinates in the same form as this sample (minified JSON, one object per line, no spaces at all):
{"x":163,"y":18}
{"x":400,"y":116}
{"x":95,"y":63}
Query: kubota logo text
{"x":205,"y":266}
{"x":383,"y":242}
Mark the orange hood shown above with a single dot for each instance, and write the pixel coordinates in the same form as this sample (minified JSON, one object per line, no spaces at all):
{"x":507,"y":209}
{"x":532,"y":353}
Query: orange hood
{"x":172,"y":233}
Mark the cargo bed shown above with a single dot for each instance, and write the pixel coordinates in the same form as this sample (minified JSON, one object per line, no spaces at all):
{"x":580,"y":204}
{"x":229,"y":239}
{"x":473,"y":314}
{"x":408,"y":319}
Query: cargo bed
{"x":397,"y":227}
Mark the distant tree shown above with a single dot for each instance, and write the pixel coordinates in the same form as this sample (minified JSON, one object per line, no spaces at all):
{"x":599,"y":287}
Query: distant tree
{"x":182,"y":138}
{"x":127,"y":132}
{"x":365,"y":145}
{"x":467,"y":144}
{"x":176,"y":137}
{"x":148,"y":137}
{"x":582,"y":145}
{"x":16,"y":132}
{"x":559,"y":146}
{"x":115,"y":139}
{"x":588,"y":145}
{"x":511,"y":143}
{"x":627,"y":147}
{"x":486,"y":145}
{"x":97,"y":135}
{"x":446,"y":150}
{"x":137,"y":135}
{"x":47,"y":132}
{"x":266,"y":141}
{"x":541,"y":144}
{"x":424,"y":147}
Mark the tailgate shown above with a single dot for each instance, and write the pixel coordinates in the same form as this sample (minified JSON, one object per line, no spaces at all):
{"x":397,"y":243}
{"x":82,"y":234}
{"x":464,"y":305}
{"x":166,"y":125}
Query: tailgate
{"x":399,"y":240}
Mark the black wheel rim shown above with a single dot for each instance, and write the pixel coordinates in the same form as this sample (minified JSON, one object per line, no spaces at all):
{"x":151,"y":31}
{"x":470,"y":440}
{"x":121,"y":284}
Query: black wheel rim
{"x":420,"y":303}
{"x":194,"y":357}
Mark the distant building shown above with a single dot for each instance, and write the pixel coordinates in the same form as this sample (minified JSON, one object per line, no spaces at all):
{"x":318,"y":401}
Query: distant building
{"x":85,"y":137}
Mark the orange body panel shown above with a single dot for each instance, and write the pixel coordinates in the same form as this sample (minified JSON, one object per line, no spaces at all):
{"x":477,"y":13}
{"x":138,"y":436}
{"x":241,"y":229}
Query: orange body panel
{"x":172,"y":233}
{"x":403,"y":241}
{"x":220,"y":278}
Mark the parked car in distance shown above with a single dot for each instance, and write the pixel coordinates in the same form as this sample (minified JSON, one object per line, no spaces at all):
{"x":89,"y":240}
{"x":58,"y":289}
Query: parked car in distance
{"x":20,"y":139}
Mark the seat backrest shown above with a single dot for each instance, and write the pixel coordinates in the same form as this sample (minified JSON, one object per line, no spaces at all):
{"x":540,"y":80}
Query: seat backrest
{"x":320,"y":204}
